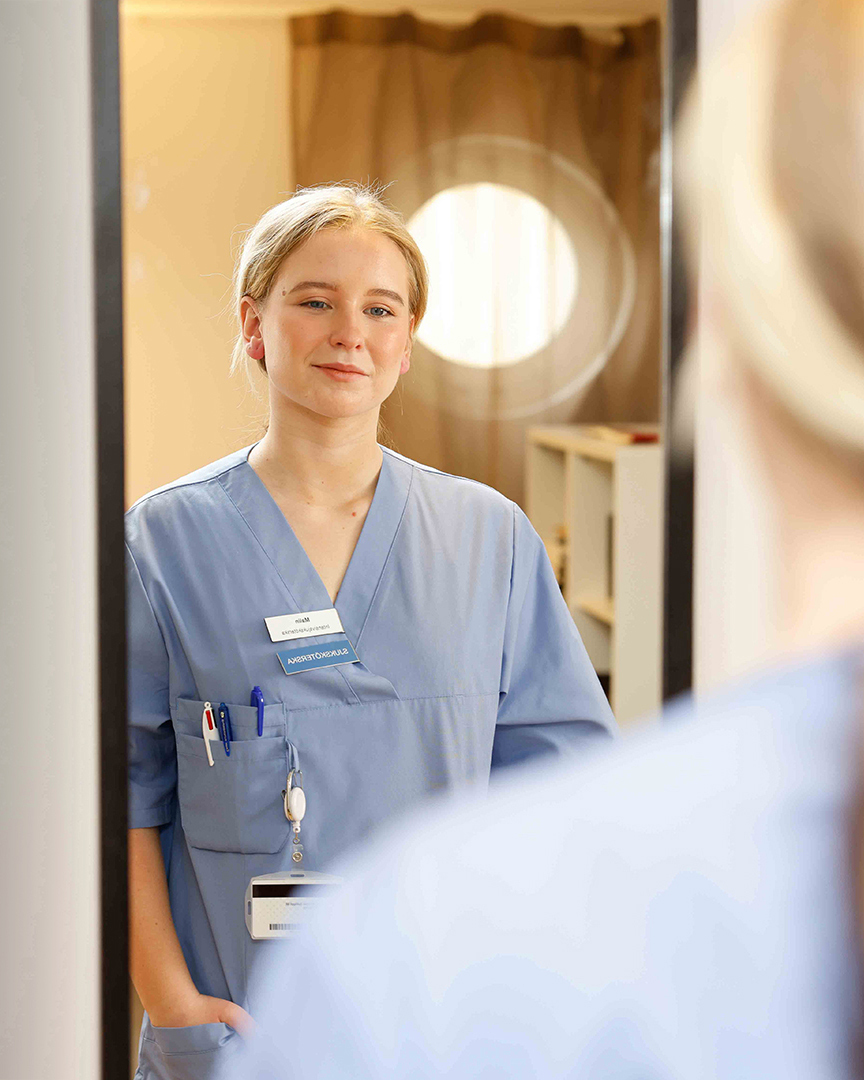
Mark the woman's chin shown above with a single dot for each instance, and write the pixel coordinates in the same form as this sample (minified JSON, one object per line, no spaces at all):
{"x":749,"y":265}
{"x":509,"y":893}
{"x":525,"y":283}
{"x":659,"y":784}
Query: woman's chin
{"x":334,"y":401}
{"x":338,"y":406}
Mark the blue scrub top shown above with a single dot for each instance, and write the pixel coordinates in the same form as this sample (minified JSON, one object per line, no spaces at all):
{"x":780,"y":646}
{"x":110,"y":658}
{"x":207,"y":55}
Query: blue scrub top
{"x":688,"y":913}
{"x":469,"y":661}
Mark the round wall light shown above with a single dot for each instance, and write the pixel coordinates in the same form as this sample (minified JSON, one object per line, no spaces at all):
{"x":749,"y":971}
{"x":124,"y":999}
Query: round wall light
{"x":504,"y":274}
{"x":517,"y":325}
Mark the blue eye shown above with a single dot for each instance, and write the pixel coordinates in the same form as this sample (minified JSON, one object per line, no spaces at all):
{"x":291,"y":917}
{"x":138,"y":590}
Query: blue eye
{"x":381,"y":310}
{"x":309,"y":303}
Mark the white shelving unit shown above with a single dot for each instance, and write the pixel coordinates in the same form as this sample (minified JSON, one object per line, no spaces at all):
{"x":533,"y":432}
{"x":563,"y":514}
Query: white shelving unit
{"x":603,"y":504}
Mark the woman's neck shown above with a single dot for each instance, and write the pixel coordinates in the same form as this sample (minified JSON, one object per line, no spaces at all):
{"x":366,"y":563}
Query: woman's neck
{"x":317,"y":461}
{"x":822,"y":600}
{"x":817,"y":508}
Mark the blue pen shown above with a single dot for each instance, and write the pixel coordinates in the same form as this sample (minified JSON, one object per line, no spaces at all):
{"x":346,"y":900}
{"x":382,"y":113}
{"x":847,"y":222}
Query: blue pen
{"x":258,"y":699}
{"x":225,"y":727}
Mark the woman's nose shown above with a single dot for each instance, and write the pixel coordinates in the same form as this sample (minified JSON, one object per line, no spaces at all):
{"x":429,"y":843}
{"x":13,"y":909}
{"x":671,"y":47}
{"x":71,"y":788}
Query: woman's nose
{"x":346,"y":332}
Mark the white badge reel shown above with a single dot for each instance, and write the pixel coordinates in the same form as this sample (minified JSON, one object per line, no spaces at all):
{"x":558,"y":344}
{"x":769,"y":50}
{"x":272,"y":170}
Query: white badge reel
{"x":294,"y":801}
{"x":277,"y":904}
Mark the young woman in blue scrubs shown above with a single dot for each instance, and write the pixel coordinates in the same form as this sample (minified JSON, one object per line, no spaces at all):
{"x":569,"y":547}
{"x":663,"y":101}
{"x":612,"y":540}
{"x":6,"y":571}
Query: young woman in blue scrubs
{"x":468,"y":659}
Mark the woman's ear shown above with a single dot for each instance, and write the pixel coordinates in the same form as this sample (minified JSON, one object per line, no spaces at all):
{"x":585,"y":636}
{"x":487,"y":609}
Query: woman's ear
{"x":250,"y":321}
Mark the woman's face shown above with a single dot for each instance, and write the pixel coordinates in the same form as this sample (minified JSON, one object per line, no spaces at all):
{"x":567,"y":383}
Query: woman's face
{"x":335,"y":329}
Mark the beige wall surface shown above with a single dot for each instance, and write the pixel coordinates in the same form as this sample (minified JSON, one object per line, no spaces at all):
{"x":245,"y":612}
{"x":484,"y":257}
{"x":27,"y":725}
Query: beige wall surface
{"x":205,"y":152}
{"x":599,"y":12}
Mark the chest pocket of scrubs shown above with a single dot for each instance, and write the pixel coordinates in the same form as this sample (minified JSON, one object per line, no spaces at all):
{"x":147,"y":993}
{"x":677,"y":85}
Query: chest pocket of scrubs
{"x":236,"y":804}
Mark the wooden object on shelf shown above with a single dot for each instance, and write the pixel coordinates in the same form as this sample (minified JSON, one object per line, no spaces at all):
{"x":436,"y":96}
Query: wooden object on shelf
{"x":556,"y":549}
{"x":623,"y":435}
{"x":585,"y":481}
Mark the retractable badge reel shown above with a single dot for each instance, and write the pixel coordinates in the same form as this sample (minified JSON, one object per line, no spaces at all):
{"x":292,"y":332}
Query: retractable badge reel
{"x":294,"y":801}
{"x":278,"y":904}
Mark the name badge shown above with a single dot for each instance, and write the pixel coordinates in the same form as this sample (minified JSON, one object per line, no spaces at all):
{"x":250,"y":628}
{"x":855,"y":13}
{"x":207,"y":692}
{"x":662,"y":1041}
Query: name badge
{"x":305,"y":624}
{"x":340,"y":651}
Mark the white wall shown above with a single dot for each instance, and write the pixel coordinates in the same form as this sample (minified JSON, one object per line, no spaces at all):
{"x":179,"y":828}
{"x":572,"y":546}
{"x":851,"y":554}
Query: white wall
{"x":49,"y":971}
{"x":733,"y":587}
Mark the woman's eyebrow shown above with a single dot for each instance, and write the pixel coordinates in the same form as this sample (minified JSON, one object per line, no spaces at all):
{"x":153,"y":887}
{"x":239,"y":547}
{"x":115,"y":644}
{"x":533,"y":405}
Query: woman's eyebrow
{"x":387,"y":292}
{"x":313,"y":285}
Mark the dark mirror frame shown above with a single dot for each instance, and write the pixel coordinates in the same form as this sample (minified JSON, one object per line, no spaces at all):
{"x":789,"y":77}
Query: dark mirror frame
{"x":680,"y":62}
{"x":110,"y":499}
{"x":682,"y":20}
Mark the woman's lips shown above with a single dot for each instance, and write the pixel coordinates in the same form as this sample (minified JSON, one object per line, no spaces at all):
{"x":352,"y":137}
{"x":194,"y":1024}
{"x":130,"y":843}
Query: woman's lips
{"x":342,"y":372}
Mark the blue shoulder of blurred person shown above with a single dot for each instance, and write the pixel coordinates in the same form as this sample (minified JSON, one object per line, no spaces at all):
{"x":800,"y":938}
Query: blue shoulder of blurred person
{"x":680,"y":907}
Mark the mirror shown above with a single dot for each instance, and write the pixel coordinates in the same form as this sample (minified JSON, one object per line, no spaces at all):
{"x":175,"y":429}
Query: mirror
{"x":527,"y":158}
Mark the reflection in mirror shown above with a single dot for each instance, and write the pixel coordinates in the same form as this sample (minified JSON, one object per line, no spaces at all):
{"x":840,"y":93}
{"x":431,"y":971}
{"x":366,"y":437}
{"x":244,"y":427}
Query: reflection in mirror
{"x":327,"y":625}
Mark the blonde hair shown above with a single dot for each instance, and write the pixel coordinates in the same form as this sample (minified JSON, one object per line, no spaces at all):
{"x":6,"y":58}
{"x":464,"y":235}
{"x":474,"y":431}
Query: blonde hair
{"x":284,"y":227}
{"x":774,"y":182}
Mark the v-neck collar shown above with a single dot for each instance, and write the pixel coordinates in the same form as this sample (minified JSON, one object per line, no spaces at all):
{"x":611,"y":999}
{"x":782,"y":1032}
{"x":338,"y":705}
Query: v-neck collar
{"x":305,"y":591}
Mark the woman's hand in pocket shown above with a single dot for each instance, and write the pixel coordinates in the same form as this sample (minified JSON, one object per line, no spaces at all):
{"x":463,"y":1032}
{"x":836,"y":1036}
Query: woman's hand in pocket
{"x":209,"y":1010}
{"x":212,"y":1010}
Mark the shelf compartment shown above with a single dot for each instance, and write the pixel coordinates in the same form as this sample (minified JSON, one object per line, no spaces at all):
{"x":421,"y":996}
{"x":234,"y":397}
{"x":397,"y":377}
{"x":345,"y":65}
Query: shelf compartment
{"x":609,"y":499}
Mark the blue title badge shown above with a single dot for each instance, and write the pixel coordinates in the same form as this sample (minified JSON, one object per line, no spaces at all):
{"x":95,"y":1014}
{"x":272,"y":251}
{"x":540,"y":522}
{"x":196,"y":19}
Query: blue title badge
{"x":307,"y":657}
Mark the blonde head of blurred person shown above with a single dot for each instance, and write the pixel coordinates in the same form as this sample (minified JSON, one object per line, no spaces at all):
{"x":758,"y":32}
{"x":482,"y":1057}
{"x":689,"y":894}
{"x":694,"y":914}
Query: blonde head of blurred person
{"x":685,"y":905}
{"x":775,"y":182}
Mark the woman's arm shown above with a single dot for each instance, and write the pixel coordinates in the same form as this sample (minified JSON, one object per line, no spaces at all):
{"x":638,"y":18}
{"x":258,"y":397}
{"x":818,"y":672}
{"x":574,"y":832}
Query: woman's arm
{"x":551,"y":700}
{"x":156,"y":960}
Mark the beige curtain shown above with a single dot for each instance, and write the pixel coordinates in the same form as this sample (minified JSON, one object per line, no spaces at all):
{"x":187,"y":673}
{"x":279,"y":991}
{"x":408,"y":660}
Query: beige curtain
{"x":557,"y":113}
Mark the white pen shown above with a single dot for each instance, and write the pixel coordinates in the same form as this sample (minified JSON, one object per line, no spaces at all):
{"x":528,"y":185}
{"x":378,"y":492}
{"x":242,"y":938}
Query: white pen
{"x":208,"y":729}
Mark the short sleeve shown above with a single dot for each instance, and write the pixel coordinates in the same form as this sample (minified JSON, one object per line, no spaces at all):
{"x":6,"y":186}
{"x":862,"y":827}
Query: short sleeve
{"x":551,"y":701}
{"x":152,"y":754}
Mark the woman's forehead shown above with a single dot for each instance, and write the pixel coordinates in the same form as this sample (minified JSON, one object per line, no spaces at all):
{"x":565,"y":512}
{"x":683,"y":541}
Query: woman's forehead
{"x":346,"y":254}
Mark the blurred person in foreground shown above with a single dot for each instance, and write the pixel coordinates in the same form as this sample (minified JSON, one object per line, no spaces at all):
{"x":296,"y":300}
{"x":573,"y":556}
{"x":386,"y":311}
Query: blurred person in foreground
{"x":688,"y":906}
